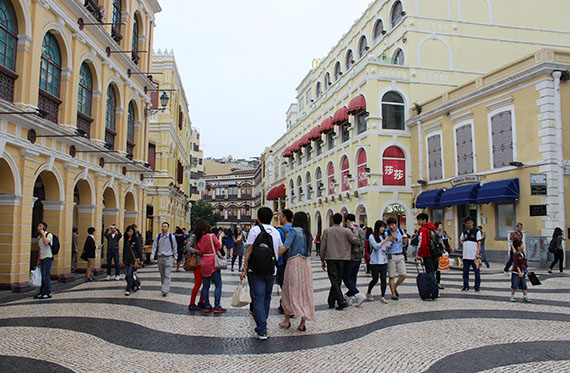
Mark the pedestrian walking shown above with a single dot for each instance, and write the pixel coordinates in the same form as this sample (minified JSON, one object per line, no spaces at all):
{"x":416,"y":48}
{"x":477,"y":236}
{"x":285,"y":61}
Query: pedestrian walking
{"x":191,"y":249}
{"x":74,"y":244}
{"x":209,"y":246}
{"x":285,"y":218}
{"x":132,"y":250}
{"x":378,"y":259}
{"x":396,"y":263}
{"x":318,"y":243}
{"x":425,"y":244}
{"x":335,"y":254}
{"x":89,"y":253}
{"x":557,"y":238}
{"x":298,"y":298}
{"x":260,"y":264}
{"x":45,"y":260}
{"x":367,"y":249}
{"x":515,"y":235}
{"x":164,"y":249}
{"x":414,"y":243}
{"x":484,"y":238}
{"x":350,"y":276}
{"x":520,"y":270}
{"x":445,"y":239}
{"x":113,"y":235}
{"x":443,"y":261}
{"x":238,"y":248}
{"x":471,"y":240}
{"x":179,"y":236}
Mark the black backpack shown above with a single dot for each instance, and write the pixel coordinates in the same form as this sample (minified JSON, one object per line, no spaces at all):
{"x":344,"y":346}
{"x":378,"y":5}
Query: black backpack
{"x":262,"y":260}
{"x":552,"y":246}
{"x":435,"y":244}
{"x":54,"y":244}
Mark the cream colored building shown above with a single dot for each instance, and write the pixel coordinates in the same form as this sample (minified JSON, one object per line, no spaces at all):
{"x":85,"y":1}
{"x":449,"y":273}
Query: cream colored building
{"x":495,"y":149}
{"x":82,"y":162}
{"x":174,"y":150}
{"x":397,"y":54}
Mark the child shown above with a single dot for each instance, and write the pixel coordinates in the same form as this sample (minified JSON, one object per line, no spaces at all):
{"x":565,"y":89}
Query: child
{"x":518,"y":279}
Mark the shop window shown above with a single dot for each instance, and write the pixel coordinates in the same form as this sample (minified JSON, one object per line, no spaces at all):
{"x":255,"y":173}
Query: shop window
{"x":393,"y":108}
{"x":505,"y":220}
{"x":502,"y":135}
{"x":464,"y":149}
{"x":434,"y":158}
{"x":437,"y":215}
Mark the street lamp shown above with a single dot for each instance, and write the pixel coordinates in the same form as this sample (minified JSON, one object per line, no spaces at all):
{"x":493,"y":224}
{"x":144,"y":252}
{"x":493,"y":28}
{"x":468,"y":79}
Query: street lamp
{"x":163,"y":102}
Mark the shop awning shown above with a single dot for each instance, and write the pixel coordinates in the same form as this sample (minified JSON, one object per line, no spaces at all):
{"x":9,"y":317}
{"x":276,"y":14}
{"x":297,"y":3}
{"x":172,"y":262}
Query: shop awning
{"x":499,"y":191}
{"x":305,"y":141}
{"x":315,"y":133}
{"x":287,"y":152}
{"x":341,"y":116}
{"x":356,"y":104}
{"x":461,"y":195}
{"x":327,"y":125}
{"x":429,"y":198}
{"x":276,"y":192}
{"x":296,"y":147}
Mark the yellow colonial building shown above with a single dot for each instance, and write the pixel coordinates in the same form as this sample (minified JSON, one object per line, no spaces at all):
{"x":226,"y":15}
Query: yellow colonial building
{"x":347,"y":147}
{"x":173,"y":148}
{"x":73,"y":130}
{"x":495,"y":149}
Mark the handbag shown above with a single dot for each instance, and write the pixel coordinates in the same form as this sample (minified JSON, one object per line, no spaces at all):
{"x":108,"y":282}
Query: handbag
{"x":84,"y":256}
{"x":242,"y":296}
{"x":190,"y":262}
{"x":36,"y":277}
{"x":533,"y":278}
{"x":218,"y":263}
{"x":137,"y":263}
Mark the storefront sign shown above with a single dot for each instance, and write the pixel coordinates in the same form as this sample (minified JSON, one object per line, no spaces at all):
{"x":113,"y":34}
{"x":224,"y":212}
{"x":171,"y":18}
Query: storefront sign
{"x":464,"y":180}
{"x":394,"y":172}
{"x":537,"y":210}
{"x":537,"y":179}
{"x":537,"y":190}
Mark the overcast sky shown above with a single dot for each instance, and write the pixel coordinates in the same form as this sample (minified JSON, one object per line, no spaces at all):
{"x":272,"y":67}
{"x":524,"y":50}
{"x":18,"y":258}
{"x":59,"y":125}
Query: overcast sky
{"x":241,"y":61}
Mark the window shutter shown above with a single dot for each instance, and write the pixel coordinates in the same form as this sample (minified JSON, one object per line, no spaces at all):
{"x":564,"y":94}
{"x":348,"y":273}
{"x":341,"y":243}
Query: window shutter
{"x":502,"y":135}
{"x":434,"y":157}
{"x":464,"y":148}
{"x":152,"y":156}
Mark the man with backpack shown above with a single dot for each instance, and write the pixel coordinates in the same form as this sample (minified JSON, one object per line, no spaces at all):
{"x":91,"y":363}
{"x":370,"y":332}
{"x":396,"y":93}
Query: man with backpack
{"x":471,"y":239}
{"x":260,"y":266}
{"x":396,"y":261}
{"x":165,"y":249}
{"x":46,"y":242}
{"x":351,"y":269}
{"x":430,"y":246}
{"x":286,"y":221}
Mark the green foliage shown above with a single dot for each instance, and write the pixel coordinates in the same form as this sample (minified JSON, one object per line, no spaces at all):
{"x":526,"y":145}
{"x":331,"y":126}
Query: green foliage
{"x":203,"y":211}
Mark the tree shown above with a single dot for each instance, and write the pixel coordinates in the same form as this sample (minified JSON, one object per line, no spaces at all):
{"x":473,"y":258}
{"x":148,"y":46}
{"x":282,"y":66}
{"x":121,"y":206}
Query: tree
{"x":203,"y":211}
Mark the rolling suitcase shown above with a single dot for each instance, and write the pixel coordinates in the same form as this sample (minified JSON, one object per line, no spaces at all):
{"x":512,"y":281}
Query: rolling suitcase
{"x":427,"y":285}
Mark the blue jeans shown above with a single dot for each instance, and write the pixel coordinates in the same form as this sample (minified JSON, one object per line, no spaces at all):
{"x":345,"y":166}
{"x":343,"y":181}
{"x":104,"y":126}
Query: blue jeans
{"x":260,"y":288}
{"x":45,"y":268}
{"x":216,"y":278}
{"x":484,"y":256}
{"x":350,"y":276}
{"x":129,"y":277}
{"x":113,"y":254}
{"x":471,"y":263}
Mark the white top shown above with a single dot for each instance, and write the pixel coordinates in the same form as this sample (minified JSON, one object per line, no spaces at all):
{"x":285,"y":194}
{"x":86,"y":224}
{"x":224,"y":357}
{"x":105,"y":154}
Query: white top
{"x":254,"y":232}
{"x":378,"y":255}
{"x":45,"y":250}
{"x":470,"y":248}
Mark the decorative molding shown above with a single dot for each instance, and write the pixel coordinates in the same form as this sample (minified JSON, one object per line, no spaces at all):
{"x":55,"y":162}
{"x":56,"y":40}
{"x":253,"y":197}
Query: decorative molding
{"x":53,"y":205}
{"x":462,"y":117}
{"x":131,"y":214}
{"x":10,"y":200}
{"x":86,"y":209}
{"x":500,"y":103}
{"x":432,"y":128}
{"x":110,"y":212}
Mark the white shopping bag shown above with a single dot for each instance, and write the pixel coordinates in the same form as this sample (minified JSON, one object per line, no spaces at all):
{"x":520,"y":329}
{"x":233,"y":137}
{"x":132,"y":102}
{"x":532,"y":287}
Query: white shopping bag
{"x":36,"y":278}
{"x":241,"y":297}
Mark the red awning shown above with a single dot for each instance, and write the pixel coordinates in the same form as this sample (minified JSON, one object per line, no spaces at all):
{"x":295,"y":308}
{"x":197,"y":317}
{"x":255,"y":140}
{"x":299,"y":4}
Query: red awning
{"x":305,"y":141}
{"x":287,"y":152}
{"x":327,"y":125}
{"x":315,"y":133}
{"x":341,"y":116}
{"x":296,"y":147}
{"x":276,"y":192}
{"x":356,"y":104}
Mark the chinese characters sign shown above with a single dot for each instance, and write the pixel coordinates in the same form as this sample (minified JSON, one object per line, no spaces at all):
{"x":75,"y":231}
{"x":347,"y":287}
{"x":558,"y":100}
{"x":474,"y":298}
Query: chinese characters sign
{"x":394,"y":167}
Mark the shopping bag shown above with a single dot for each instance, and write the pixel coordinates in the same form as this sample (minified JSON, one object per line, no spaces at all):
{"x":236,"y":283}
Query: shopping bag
{"x":241,"y":296}
{"x":36,"y":278}
{"x":534,"y":280}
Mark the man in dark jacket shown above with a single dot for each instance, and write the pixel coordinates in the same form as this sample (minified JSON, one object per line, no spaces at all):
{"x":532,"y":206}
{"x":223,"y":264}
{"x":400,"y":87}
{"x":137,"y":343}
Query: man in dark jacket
{"x":90,"y":252}
{"x":113,"y":235}
{"x":424,"y":240}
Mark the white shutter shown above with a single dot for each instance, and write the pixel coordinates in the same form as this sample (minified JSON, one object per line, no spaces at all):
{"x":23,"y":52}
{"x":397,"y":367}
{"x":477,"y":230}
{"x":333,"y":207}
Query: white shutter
{"x":434,"y":157}
{"x":502,"y":134}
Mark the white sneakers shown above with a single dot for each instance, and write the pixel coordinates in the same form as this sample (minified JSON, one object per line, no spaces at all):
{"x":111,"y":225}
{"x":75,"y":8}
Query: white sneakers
{"x":117,"y":277}
{"x":348,"y":300}
{"x":359,"y":298}
{"x":108,"y":277}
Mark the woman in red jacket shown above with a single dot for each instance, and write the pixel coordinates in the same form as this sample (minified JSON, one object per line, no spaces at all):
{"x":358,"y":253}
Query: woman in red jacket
{"x":208,"y":245}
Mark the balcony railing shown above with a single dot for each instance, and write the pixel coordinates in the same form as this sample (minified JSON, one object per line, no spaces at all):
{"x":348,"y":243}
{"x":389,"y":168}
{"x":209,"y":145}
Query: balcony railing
{"x":84,"y":123}
{"x":93,"y":8}
{"x":50,"y":105}
{"x":7,"y":79}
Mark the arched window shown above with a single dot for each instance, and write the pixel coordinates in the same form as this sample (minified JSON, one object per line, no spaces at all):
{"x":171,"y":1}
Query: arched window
{"x":300,"y":188}
{"x":319,"y":182}
{"x":291,"y":191}
{"x":131,"y":129}
{"x":276,"y":170}
{"x":396,"y":15}
{"x":393,"y":166}
{"x":110,"y":118}
{"x":362,"y":46}
{"x":330,"y":179}
{"x":308,"y":185}
{"x":398,"y":58}
{"x":327,"y":80}
{"x":135,"y":46}
{"x":361,"y":165}
{"x":345,"y":174}
{"x":393,"y":109}
{"x":349,"y":60}
{"x":378,"y":29}
{"x":50,"y":78}
{"x":337,"y":72}
{"x":84,"y":99}
{"x":318,"y":90}
{"x":8,"y":35}
{"x":116,"y":26}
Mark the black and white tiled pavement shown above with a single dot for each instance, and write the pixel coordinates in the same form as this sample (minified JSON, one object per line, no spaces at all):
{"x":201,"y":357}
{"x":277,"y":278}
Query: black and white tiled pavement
{"x":93,"y":327}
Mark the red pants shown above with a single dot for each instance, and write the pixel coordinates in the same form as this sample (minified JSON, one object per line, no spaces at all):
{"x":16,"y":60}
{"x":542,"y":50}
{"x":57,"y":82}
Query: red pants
{"x":197,"y":285}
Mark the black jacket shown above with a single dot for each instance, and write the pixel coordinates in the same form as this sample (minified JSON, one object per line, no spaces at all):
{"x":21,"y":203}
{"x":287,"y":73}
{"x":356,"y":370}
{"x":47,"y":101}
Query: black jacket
{"x":89,"y":248}
{"x":137,"y":250}
{"x":113,"y":243}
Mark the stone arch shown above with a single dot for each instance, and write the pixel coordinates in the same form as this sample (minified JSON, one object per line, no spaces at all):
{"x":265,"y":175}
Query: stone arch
{"x":64,"y":43}
{"x":406,"y":208}
{"x":21,"y":8}
{"x":84,"y":191}
{"x":361,"y":213}
{"x":110,"y":196}
{"x":318,"y":221}
{"x":87,"y":178}
{"x":90,"y":59}
{"x":329,"y":217}
{"x":130,"y":202}
{"x":437,"y":46}
{"x":7,"y":182}
{"x":51,"y":178}
{"x":14,"y":171}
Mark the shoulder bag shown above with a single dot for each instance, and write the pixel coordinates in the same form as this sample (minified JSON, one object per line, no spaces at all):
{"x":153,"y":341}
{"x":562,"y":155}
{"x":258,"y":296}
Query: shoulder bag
{"x":218,"y":263}
{"x":136,"y":261}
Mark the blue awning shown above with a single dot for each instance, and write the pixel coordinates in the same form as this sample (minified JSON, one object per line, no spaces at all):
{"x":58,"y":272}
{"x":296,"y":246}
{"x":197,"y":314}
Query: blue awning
{"x":461,"y":195}
{"x":429,"y":198}
{"x":499,"y":191}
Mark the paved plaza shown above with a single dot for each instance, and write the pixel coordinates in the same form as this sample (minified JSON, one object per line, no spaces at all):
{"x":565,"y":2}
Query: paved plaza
{"x":93,"y":327}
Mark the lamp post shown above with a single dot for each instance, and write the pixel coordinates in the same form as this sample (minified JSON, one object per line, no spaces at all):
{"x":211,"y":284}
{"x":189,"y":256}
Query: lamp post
{"x":163,"y":102}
